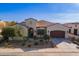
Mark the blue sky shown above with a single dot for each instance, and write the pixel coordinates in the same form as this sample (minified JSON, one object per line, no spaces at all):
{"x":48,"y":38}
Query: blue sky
{"x":54,"y":12}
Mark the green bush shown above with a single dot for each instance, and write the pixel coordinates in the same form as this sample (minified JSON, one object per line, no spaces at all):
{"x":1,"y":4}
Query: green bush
{"x":46,"y":37}
{"x":35,"y":38}
{"x":41,"y":40}
{"x":23,"y":44}
{"x":36,"y":43}
{"x":29,"y":45}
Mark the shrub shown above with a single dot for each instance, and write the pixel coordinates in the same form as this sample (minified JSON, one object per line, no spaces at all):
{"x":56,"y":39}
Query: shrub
{"x":8,"y":45}
{"x":29,"y":41}
{"x":41,"y":40}
{"x":77,"y":39}
{"x":23,"y":44}
{"x":46,"y":37}
{"x":36,"y":43}
{"x":29,"y":45}
{"x":35,"y":37}
{"x":72,"y":39}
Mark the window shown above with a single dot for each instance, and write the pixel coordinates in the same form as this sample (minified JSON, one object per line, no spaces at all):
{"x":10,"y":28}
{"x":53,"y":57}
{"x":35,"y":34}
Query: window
{"x":40,"y":31}
{"x":69,"y":30}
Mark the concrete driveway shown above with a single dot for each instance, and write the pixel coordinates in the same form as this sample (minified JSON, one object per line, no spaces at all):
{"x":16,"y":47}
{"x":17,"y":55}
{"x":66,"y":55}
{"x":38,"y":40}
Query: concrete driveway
{"x":63,"y":43}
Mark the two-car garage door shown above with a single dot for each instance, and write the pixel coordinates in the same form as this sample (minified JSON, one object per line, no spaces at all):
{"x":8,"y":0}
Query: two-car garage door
{"x":57,"y":34}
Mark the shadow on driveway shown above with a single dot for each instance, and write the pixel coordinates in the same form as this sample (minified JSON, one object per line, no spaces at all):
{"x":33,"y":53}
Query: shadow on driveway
{"x":57,"y":41}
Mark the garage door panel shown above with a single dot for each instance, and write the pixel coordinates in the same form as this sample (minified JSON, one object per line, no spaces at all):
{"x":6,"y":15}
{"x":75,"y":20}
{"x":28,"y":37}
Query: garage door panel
{"x":57,"y":34}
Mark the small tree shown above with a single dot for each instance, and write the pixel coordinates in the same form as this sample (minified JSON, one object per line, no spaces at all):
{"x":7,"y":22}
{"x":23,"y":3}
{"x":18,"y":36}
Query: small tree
{"x":18,"y":30}
{"x":8,"y":32}
{"x":12,"y":23}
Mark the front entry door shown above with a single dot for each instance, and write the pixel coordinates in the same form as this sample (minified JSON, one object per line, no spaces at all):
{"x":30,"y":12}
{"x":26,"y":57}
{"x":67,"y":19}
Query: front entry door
{"x":30,"y":32}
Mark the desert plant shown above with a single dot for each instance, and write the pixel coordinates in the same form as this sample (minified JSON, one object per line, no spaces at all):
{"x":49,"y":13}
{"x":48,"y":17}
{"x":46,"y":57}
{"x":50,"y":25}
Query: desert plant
{"x":23,"y":43}
{"x":36,"y":43}
{"x":29,"y":45}
{"x":25,"y":39}
{"x":72,"y":39}
{"x":41,"y":40}
{"x":46,"y":37}
{"x":35,"y":38}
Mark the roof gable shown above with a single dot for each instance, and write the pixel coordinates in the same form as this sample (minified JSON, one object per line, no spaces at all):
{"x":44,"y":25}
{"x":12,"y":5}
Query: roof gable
{"x":30,"y":19}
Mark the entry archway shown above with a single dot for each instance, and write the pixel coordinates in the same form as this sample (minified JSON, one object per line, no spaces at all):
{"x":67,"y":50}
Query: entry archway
{"x":30,"y":32}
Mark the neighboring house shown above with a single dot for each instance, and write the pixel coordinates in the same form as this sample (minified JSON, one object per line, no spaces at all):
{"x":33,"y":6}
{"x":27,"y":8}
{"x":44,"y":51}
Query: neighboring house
{"x":57,"y":31}
{"x":74,"y":28}
{"x":2,"y":25}
{"x":5,"y":24}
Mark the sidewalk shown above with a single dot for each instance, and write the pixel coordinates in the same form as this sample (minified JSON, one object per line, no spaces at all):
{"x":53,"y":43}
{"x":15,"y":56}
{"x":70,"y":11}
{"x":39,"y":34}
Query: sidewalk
{"x":45,"y":50}
{"x":39,"y":52}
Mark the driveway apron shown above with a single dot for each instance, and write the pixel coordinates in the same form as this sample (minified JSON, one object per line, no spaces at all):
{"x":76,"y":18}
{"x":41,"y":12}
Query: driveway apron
{"x":63,"y":43}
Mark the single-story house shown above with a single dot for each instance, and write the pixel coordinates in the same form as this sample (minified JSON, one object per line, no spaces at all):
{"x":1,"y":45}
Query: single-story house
{"x":52,"y":29}
{"x":74,"y":28}
{"x":2,"y":25}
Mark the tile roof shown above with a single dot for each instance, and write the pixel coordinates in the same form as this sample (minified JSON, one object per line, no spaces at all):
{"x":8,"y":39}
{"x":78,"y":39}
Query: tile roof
{"x":43,"y":23}
{"x":2,"y":24}
{"x":30,"y":19}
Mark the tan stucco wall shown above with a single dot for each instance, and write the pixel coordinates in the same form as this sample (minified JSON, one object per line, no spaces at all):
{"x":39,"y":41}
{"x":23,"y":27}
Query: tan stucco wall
{"x":73,"y":27}
{"x":31,"y":23}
